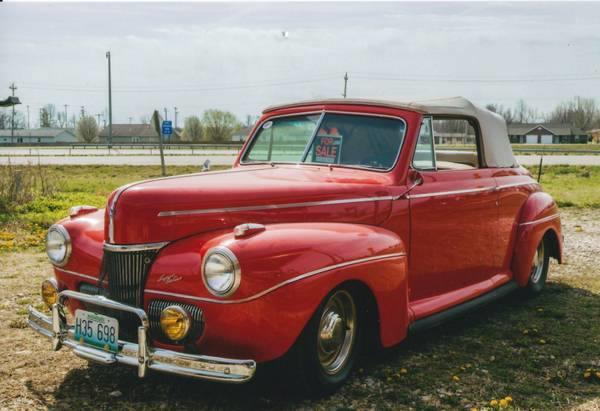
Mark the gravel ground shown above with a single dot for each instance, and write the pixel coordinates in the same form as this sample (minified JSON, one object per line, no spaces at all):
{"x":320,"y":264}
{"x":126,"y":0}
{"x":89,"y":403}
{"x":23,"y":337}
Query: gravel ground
{"x":34,"y":377}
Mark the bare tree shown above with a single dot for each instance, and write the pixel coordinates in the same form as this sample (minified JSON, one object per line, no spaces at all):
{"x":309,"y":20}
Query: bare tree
{"x":219,"y":126}
{"x":48,"y":116}
{"x":580,"y":112}
{"x":504,"y":112}
{"x":87,"y":129}
{"x":192,"y":129}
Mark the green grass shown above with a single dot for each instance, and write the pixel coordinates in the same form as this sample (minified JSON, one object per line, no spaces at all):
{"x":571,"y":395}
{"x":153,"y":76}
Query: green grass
{"x":571,"y":186}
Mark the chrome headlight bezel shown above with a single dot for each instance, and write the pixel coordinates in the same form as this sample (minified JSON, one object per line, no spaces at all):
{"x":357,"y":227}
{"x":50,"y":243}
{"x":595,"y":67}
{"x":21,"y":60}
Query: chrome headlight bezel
{"x":62,"y":231}
{"x":235,"y":269}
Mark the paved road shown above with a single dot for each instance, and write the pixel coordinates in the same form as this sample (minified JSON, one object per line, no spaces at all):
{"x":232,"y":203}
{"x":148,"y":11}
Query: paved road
{"x":227,"y":159}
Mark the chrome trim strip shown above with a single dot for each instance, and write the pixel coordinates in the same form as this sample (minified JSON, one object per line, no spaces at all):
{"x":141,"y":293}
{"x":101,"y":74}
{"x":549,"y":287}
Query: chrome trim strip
{"x":122,"y":248}
{"x":272,"y":206}
{"x":444,"y":193}
{"x":277,"y":286}
{"x":500,"y":187}
{"x":541,"y":220}
{"x":87,"y":277}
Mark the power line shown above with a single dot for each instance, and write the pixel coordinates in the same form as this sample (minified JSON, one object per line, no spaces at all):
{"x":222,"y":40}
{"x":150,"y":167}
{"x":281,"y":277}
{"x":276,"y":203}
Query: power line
{"x":383,"y":77}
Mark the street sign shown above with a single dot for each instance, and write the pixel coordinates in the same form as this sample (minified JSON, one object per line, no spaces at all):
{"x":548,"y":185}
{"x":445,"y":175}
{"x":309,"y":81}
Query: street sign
{"x":167,"y":127}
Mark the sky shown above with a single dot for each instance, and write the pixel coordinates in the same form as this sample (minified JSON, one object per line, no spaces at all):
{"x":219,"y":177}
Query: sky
{"x":236,"y":57}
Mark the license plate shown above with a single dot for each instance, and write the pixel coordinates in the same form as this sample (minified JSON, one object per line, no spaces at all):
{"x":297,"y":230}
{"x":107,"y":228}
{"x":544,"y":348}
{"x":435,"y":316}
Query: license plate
{"x":97,"y":330}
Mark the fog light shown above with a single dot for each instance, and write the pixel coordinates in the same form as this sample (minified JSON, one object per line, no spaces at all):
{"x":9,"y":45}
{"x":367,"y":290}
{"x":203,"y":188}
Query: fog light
{"x":175,"y":323}
{"x":49,"y":292}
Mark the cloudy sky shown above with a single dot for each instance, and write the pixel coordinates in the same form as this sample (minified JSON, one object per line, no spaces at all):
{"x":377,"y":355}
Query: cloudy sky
{"x":233,"y":56}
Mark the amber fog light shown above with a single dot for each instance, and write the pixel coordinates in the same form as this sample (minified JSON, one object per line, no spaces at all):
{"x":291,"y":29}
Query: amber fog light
{"x":49,"y":292}
{"x":175,"y":323}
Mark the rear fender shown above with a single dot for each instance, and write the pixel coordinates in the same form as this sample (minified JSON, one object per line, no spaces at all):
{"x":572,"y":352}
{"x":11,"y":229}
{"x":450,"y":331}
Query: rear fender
{"x":539,"y":218}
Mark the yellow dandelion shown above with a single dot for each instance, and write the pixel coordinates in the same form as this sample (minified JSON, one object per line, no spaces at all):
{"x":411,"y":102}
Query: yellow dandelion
{"x":509,"y":399}
{"x":473,"y":409}
{"x":542,"y":341}
{"x":503,"y":403}
{"x":494,"y":403}
{"x":403,"y":371}
{"x":525,"y":332}
{"x":597,"y":374}
{"x":587,"y":374}
{"x":455,"y":378}
{"x":588,"y":370}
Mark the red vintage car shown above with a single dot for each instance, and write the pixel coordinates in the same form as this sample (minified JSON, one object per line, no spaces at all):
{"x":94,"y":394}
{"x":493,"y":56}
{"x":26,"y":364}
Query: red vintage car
{"x":341,"y":222}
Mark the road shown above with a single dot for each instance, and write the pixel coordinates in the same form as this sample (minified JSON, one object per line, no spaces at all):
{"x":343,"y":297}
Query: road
{"x":222,"y":157}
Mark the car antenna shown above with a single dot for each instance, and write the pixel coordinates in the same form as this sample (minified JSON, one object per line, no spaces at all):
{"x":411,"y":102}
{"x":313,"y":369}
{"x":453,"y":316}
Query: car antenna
{"x":540,"y":168}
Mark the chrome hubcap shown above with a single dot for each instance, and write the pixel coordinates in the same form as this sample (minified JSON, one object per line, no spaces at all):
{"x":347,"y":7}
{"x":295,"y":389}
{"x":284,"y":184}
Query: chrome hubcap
{"x":537,"y":265}
{"x":337,"y":332}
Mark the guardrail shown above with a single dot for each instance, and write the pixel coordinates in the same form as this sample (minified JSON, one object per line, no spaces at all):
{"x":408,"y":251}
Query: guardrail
{"x":526,"y":150}
{"x":188,"y":146}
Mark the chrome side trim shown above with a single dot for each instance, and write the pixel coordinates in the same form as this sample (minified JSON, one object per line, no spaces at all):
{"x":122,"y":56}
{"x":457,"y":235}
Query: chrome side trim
{"x":500,"y":187}
{"x":272,"y":206}
{"x":122,"y":248}
{"x":445,"y":193}
{"x":76,"y":274}
{"x":277,"y":286}
{"x":541,"y":220}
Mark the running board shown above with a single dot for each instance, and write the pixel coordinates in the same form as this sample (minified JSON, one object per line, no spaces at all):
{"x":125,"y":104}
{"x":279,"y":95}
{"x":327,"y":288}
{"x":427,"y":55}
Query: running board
{"x":436,"y":319}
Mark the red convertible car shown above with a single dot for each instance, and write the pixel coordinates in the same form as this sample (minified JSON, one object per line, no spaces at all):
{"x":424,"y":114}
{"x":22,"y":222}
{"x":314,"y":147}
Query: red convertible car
{"x":341,"y":222}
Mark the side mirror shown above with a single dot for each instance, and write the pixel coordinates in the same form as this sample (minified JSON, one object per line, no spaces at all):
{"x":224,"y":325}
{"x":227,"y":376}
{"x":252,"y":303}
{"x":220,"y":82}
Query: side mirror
{"x":415,"y":179}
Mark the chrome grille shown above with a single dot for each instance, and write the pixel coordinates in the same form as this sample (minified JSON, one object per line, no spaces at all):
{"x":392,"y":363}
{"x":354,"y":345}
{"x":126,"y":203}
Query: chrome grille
{"x":126,"y":272}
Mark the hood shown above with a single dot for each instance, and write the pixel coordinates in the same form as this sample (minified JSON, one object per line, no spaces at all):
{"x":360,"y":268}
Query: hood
{"x":175,"y":207}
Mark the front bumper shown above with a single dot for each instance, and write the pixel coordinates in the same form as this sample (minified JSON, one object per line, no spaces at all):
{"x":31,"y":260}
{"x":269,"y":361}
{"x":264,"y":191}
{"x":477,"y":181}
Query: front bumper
{"x":139,"y":354}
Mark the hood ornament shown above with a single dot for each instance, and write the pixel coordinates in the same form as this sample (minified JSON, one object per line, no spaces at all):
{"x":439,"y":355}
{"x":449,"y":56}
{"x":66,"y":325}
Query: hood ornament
{"x":247,"y":229}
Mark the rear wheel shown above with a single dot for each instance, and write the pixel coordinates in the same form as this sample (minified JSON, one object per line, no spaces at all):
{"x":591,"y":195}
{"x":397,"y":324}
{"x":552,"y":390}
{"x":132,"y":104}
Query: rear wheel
{"x":327,"y":349}
{"x":539,"y":268}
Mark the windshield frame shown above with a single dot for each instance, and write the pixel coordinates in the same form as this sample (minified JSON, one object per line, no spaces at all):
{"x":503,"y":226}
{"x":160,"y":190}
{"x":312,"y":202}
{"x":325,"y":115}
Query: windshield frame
{"x":322,"y":113}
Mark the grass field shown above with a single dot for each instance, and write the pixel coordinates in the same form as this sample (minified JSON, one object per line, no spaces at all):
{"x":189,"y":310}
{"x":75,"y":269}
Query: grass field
{"x":24,"y":225}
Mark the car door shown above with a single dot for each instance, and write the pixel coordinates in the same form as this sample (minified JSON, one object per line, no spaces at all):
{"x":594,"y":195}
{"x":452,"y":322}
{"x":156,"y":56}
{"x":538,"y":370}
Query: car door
{"x":453,"y":215}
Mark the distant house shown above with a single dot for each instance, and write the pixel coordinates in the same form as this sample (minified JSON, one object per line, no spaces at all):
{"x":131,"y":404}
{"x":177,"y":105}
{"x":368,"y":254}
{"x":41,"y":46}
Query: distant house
{"x":546,"y":133}
{"x":39,"y":135}
{"x":129,"y":133}
{"x":240,"y":135}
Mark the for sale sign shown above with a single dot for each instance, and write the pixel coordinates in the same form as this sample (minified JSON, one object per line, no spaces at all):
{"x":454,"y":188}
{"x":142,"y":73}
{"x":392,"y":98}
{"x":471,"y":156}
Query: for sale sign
{"x":327,"y":149}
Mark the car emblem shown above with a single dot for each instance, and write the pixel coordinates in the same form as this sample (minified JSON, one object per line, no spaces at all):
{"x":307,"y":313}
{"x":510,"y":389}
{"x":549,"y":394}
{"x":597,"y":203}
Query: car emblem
{"x":169,"y":278}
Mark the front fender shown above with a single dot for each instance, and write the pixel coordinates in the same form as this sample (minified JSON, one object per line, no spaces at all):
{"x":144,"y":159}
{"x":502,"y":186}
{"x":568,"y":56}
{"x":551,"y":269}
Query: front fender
{"x":539,"y":216}
{"x":286,"y":272}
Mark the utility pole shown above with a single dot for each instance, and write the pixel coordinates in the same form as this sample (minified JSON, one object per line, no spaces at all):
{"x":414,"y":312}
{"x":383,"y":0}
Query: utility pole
{"x":28,"y":123}
{"x":66,"y":117}
{"x":109,"y":103}
{"x":82,"y":111}
{"x":175,"y":111}
{"x":130,"y":118}
{"x":12,"y":124}
{"x":98,"y":116}
{"x":345,"y":84}
{"x":166,"y":114}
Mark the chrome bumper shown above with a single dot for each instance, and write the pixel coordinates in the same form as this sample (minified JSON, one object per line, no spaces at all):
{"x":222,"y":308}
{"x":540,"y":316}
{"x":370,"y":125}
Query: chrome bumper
{"x":139,"y":354}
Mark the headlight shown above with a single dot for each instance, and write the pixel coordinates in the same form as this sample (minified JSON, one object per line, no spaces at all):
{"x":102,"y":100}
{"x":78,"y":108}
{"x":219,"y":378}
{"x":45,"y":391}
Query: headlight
{"x":221,"y":271}
{"x":58,"y":245}
{"x":175,"y":322}
{"x":49,"y":292}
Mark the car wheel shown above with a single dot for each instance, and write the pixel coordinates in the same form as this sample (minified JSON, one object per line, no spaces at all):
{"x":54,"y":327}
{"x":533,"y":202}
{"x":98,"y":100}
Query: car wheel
{"x":327,"y":350}
{"x":539,"y":268}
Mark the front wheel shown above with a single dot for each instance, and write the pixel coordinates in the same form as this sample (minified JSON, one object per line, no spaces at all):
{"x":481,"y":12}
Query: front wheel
{"x":539,"y":268}
{"x":327,"y":349}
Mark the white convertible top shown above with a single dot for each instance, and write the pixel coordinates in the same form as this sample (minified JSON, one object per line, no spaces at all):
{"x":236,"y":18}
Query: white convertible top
{"x":497,"y":151}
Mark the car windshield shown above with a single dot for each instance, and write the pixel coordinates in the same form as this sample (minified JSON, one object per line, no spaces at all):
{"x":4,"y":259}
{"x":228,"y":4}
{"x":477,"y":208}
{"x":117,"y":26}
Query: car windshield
{"x":332,"y":139}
